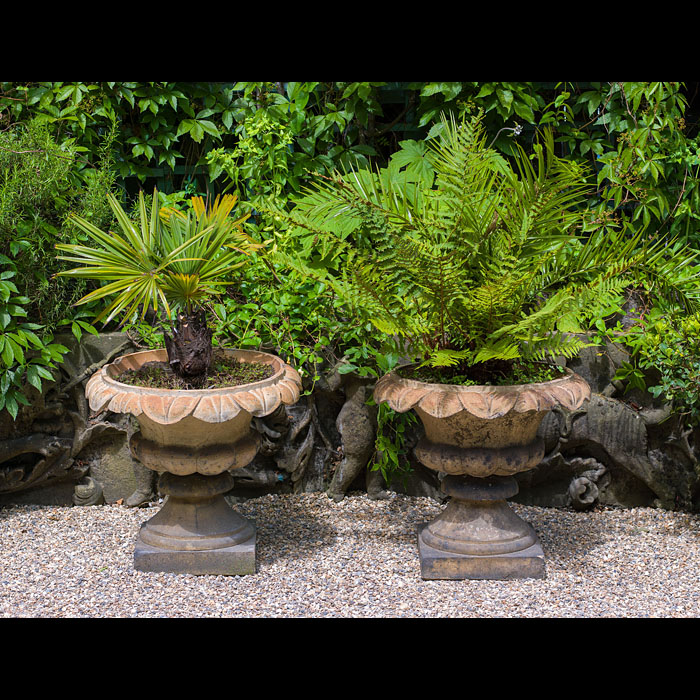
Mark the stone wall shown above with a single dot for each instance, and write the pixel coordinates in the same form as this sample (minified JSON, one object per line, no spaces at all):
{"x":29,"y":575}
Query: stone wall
{"x":54,"y":451}
{"x":619,"y":449}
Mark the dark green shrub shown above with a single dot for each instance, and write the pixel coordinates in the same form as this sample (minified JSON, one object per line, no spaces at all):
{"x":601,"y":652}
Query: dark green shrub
{"x":664,"y":360}
{"x":40,"y":182}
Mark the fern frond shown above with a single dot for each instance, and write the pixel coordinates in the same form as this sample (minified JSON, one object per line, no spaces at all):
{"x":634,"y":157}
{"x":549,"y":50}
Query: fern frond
{"x":570,"y":309}
{"x":503,"y":349}
{"x":445,"y":357}
{"x":553,"y":346}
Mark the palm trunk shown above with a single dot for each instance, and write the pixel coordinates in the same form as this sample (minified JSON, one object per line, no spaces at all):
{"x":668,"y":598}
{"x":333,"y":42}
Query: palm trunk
{"x":190,"y":349}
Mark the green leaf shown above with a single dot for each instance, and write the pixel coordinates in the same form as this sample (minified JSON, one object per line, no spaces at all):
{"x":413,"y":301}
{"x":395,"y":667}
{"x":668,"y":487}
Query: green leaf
{"x":413,"y":156}
{"x":16,"y":350}
{"x":11,"y":405}
{"x":505,"y":97}
{"x":43,"y":372}
{"x":524,"y":111}
{"x":185,"y":126}
{"x":364,"y":149}
{"x":209,"y":127}
{"x":485,"y":90}
{"x":197,"y":132}
{"x":7,"y":354}
{"x":449,"y":90}
{"x":33,"y":376}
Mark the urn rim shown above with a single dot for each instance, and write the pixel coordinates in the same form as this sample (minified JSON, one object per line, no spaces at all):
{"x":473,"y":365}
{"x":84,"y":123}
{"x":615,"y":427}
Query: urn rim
{"x":484,"y":401}
{"x":160,"y":355}
{"x":168,"y":406}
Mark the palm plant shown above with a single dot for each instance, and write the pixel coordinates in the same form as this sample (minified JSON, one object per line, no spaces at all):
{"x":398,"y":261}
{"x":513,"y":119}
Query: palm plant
{"x":167,"y":261}
{"x":487,"y":266}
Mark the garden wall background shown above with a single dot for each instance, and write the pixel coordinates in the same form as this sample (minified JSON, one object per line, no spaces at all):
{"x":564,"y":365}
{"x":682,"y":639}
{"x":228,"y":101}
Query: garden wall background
{"x":616,"y":450}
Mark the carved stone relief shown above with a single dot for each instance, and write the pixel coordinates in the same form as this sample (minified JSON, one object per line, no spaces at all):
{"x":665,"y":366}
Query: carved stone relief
{"x":44,"y":446}
{"x":617,"y":449}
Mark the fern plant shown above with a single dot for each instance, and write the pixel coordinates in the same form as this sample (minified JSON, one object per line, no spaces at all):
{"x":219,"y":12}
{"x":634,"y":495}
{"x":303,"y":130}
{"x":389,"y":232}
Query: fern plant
{"x":487,"y":265}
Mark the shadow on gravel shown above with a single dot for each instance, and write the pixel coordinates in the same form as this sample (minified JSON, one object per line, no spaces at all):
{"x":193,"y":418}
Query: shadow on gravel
{"x":300,"y":529}
{"x":297,"y":532}
{"x":10,"y":510}
{"x":567,"y":537}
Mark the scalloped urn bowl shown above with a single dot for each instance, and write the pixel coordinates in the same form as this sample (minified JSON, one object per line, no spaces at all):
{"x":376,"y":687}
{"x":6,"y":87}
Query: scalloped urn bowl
{"x":478,"y":438}
{"x":194,"y":439}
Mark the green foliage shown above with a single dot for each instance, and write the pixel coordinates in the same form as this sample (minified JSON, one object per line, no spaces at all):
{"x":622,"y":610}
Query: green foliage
{"x":40,"y":181}
{"x":160,"y":123}
{"x":33,"y":201}
{"x":500,"y":102}
{"x":664,"y":349}
{"x":262,"y":139}
{"x":520,"y":372}
{"x":651,"y":174}
{"x":488,"y":263}
{"x":166,"y":124}
{"x":286,"y":132}
{"x":645,"y":157}
{"x":295,"y":317}
{"x":259,"y":165}
{"x":298,"y":318}
{"x":25,"y":357}
{"x":390,"y":444}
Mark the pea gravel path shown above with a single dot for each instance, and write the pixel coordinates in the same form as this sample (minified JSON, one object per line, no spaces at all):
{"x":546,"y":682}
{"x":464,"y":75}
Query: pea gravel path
{"x":357,"y":558}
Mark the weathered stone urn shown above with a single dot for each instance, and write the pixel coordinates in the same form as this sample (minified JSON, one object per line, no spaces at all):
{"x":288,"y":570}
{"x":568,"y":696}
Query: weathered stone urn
{"x":194,"y":439}
{"x":479,"y":437}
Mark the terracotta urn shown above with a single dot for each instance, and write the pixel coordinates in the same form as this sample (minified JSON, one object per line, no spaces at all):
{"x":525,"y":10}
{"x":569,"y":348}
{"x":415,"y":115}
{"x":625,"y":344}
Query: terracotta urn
{"x":479,"y":437}
{"x":194,"y":439}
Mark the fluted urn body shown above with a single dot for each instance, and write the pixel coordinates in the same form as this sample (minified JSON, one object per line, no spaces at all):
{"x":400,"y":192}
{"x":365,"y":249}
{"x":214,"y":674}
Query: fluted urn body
{"x":479,"y":437}
{"x":194,"y":439}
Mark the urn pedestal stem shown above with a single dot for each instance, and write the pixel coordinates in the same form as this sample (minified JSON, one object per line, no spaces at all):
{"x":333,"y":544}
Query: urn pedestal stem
{"x":478,"y":535}
{"x":196,"y":531}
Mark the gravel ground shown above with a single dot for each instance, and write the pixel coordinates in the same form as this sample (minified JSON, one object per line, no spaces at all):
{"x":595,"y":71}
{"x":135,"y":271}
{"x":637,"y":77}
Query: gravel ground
{"x":353,"y":559}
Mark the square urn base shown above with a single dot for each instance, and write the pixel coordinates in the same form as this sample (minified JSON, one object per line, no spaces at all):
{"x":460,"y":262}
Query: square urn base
{"x":237,"y":560}
{"x":436,"y":564}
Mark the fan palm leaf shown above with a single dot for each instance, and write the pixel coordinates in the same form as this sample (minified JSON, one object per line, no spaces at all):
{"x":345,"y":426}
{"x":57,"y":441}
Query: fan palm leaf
{"x":168,"y":259}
